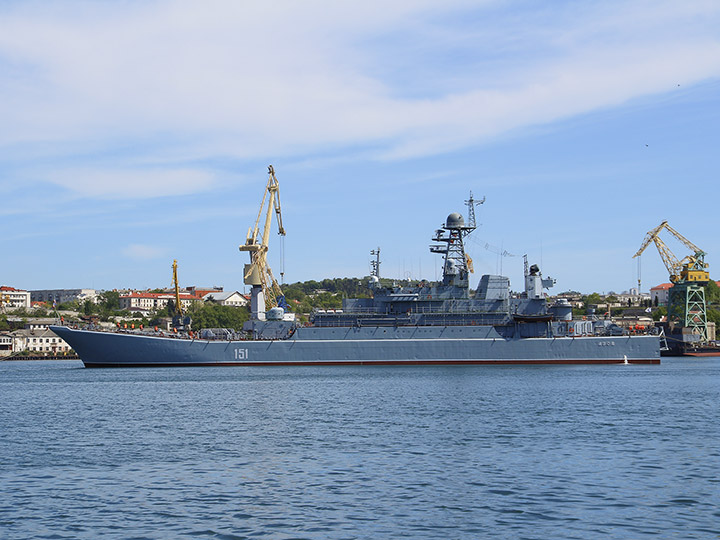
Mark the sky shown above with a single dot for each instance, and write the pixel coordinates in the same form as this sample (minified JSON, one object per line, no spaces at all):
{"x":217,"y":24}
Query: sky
{"x":133,"y":133}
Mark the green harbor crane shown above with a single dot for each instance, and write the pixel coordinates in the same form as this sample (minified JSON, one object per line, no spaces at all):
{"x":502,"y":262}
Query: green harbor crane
{"x":686,"y":301}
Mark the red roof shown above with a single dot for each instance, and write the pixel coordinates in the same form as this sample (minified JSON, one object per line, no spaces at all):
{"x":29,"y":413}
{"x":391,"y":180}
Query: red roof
{"x":666,"y":286}
{"x":9,"y":289}
{"x":661,"y":287}
{"x":136,"y":294}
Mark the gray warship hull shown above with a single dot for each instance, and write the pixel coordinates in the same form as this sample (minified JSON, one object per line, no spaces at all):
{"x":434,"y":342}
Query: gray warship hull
{"x":359,"y":346}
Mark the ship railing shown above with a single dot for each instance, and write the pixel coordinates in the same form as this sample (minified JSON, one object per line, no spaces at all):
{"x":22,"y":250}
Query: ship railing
{"x":150,"y":332}
{"x":395,"y":322}
{"x":455,"y":310}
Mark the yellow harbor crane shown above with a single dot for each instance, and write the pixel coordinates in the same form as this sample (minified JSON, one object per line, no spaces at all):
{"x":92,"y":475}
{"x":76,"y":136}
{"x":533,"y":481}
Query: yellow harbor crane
{"x":178,"y":303}
{"x":266,"y":292}
{"x":686,"y":302}
{"x":180,"y":319}
{"x":690,"y":268}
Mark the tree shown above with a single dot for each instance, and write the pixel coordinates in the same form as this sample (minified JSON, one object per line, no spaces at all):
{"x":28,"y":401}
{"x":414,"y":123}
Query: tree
{"x":294,"y":292}
{"x":659,"y":313}
{"x":213,"y":315}
{"x":713,"y":315}
{"x":712,"y":293}
{"x":89,"y":307}
{"x":110,"y":300}
{"x":592,"y":299}
{"x":328,"y":300}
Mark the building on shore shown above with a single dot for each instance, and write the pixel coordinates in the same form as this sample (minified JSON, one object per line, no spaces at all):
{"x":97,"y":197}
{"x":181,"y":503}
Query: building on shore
{"x":202,"y":291}
{"x":12,"y":298}
{"x":61,"y":296}
{"x":147,"y":302}
{"x":633,"y":298}
{"x":234,"y":298}
{"x":38,"y":342}
{"x":660,"y":294}
{"x":34,"y":338}
{"x":6,"y":344}
{"x":37,"y":324}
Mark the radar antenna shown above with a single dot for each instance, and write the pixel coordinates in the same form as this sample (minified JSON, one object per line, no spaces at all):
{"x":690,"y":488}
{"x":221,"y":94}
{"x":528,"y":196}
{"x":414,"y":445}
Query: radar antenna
{"x":457,"y":263}
{"x":471,"y":203}
{"x":375,"y":263}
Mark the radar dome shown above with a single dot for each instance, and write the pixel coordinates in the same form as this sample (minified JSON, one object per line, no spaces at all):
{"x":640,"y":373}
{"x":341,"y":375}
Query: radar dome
{"x":454,"y":221}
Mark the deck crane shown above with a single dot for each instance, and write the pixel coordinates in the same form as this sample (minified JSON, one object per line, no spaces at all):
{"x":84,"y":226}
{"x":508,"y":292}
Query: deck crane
{"x":178,"y":304}
{"x":265,"y":292}
{"x":686,"y":303}
{"x":179,"y":319}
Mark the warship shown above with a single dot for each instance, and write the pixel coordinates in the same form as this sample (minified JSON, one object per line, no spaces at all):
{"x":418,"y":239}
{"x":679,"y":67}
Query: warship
{"x":443,"y":322}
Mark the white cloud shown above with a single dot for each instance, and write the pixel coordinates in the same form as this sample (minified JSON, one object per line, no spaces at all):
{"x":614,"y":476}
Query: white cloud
{"x":143,"y":252}
{"x":240,"y":79}
{"x":131,"y":183}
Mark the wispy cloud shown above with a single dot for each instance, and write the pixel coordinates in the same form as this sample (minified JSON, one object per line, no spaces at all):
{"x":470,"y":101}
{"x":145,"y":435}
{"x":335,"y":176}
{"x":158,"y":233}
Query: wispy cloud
{"x":144,"y":252}
{"x":181,"y":82}
{"x":132,"y":183}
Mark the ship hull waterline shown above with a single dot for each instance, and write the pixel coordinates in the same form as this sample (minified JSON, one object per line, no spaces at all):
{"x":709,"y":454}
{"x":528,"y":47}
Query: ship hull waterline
{"x":108,"y":349}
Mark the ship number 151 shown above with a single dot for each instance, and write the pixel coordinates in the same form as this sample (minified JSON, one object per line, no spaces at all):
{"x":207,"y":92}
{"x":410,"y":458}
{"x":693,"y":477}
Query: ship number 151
{"x":241,"y":354}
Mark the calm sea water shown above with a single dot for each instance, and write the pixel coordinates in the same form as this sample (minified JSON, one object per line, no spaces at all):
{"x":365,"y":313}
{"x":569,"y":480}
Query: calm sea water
{"x":360,"y":452}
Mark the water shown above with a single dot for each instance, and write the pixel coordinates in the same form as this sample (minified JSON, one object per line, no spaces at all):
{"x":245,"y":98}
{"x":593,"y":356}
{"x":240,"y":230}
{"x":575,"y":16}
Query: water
{"x":360,"y":452}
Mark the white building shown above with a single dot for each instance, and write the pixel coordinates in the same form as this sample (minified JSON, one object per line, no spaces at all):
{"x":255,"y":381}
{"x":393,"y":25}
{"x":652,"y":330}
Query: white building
{"x":41,"y":342}
{"x":6,"y":344}
{"x":14,"y":298}
{"x":39,"y":324}
{"x":227,"y":298}
{"x":632,"y":298}
{"x":63,"y":295}
{"x":660,"y":294}
{"x":145,"y":302}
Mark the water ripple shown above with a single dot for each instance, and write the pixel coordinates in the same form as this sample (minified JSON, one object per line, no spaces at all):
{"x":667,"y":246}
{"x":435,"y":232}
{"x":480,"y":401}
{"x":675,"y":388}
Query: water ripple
{"x":356,"y":453}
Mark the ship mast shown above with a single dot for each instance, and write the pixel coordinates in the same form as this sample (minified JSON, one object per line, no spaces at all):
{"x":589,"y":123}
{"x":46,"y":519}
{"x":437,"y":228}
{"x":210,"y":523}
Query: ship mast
{"x":457,"y":265}
{"x":471,"y":203}
{"x":375,"y":263}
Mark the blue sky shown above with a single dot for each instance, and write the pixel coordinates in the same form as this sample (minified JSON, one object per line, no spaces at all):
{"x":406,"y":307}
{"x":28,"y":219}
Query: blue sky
{"x":135,"y":133}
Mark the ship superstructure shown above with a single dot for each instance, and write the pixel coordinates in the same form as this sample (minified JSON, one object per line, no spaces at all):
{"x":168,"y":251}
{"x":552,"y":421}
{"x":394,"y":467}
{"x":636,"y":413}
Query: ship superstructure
{"x":450,"y":302}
